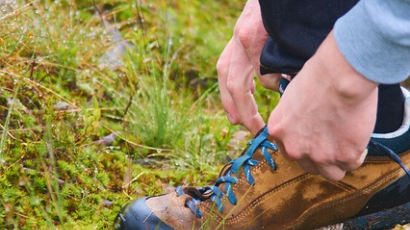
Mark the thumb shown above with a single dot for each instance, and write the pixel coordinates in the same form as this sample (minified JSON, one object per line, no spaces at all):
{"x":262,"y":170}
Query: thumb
{"x":270,"y":81}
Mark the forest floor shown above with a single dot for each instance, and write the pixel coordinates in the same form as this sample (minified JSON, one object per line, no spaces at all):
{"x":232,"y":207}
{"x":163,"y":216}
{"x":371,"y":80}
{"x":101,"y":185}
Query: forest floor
{"x":104,"y":102}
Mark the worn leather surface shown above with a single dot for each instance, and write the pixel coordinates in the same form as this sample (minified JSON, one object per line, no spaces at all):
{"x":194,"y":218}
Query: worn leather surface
{"x":287,"y":198}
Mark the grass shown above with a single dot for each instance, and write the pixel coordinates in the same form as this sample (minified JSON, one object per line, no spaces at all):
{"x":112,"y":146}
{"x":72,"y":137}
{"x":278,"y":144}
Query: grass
{"x":91,"y":120}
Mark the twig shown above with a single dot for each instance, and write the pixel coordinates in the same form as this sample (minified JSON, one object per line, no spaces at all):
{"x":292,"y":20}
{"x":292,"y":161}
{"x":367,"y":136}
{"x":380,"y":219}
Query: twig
{"x":32,"y":65}
{"x":76,"y":110}
{"x":128,"y":105}
{"x":34,"y":83}
{"x":133,"y":179}
{"x":8,"y":132}
{"x":123,"y":191}
{"x":135,"y":144}
{"x":100,"y":14}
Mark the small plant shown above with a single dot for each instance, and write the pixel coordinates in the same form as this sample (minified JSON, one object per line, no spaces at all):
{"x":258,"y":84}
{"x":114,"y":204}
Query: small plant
{"x":80,"y":139}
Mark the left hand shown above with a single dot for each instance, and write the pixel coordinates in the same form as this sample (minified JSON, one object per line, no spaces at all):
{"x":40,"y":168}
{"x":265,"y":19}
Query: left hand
{"x":237,"y":65}
{"x":326,"y":115}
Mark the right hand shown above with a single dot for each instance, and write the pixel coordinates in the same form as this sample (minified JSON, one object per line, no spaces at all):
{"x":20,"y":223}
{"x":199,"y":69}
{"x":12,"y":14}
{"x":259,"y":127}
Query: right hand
{"x":236,"y":68}
{"x":326,"y":116}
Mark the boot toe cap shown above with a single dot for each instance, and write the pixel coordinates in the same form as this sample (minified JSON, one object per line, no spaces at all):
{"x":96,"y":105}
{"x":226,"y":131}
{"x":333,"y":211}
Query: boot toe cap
{"x":138,"y":216}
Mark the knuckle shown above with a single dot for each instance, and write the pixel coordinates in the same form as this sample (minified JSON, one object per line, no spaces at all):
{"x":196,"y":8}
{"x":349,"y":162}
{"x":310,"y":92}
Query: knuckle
{"x":355,"y":163}
{"x":245,"y":40}
{"x":221,"y":66}
{"x":272,"y":130}
{"x":293,"y":153}
{"x":244,"y":33}
{"x":348,"y":158}
{"x":323,"y":156}
{"x":275,"y":131}
{"x":233,"y":87}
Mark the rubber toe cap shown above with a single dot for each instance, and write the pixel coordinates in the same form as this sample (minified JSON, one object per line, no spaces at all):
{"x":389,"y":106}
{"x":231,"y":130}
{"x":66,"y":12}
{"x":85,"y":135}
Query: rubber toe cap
{"x":138,"y":216}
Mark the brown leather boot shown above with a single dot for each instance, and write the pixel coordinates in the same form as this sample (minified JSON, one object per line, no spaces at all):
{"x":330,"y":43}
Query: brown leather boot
{"x":264,"y":190}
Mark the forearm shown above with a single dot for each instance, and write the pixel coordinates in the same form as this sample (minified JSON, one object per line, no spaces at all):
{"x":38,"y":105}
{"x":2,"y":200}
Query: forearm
{"x":374,"y":37}
{"x":348,"y":85}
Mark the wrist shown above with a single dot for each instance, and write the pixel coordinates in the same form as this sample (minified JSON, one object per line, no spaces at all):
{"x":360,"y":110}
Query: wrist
{"x":249,"y":28}
{"x":341,"y":79}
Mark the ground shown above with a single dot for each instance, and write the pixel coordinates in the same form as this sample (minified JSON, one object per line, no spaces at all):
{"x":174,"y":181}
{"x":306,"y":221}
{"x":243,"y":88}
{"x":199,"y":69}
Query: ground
{"x":107,"y":101}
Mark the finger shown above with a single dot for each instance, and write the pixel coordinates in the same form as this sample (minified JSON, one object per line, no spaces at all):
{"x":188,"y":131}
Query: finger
{"x":248,"y":111}
{"x":253,"y":89}
{"x":353,"y":162}
{"x":270,"y":81}
{"x":223,"y":71}
{"x":307,"y":165}
{"x":239,"y":83}
{"x":286,"y":76}
{"x":331,"y":171}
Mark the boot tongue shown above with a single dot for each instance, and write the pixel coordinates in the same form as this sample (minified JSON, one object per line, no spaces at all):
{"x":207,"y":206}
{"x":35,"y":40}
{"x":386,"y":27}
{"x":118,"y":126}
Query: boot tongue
{"x":196,"y":193}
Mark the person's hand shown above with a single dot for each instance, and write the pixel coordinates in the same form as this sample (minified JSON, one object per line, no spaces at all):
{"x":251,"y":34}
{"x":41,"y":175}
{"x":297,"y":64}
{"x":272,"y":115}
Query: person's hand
{"x":236,"y":68}
{"x":326,"y":115}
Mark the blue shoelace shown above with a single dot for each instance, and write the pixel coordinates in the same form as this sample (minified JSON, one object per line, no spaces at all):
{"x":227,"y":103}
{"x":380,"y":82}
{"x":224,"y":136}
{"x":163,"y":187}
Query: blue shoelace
{"x":245,"y":161}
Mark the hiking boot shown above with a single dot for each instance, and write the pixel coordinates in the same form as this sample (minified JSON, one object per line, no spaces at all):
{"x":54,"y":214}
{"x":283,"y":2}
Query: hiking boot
{"x":262,"y":189}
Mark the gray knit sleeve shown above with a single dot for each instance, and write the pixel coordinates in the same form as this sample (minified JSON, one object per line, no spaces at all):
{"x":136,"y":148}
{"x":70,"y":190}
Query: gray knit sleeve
{"x":374,"y":37}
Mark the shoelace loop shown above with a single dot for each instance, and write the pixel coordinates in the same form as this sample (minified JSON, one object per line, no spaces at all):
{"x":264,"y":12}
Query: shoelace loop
{"x":229,"y":179}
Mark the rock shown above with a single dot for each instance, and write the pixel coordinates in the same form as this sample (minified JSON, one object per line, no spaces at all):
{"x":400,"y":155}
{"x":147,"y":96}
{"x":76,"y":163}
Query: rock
{"x":113,"y":57}
{"x":62,"y":105}
{"x":107,"y":140}
{"x":107,"y":203}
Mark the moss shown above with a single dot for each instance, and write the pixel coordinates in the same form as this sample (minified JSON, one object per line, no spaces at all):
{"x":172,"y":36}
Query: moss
{"x":167,"y":120}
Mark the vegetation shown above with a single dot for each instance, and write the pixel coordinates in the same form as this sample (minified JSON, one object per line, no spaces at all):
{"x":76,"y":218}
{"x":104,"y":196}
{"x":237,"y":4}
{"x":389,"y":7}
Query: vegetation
{"x":103,"y":102}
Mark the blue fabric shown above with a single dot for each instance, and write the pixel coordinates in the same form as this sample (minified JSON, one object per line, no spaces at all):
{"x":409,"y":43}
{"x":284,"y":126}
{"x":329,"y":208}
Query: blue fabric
{"x":283,"y":83}
{"x":296,"y":28}
{"x":390,"y":108}
{"x":374,"y":36}
{"x":398,"y":144}
{"x":384,"y":219}
{"x":375,"y":39}
{"x":245,"y":162}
